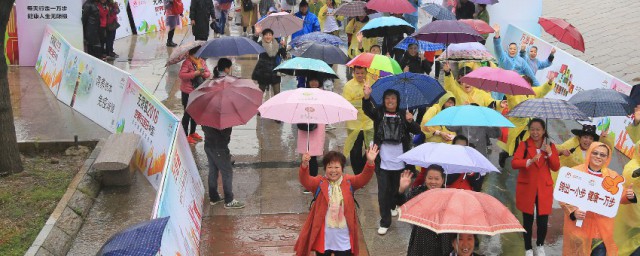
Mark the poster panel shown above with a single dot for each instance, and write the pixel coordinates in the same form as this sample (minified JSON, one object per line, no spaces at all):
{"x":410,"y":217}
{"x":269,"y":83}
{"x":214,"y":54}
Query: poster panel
{"x":52,"y":58}
{"x":148,"y":15}
{"x":11,"y":39}
{"x":123,"y":19}
{"x":589,"y":192}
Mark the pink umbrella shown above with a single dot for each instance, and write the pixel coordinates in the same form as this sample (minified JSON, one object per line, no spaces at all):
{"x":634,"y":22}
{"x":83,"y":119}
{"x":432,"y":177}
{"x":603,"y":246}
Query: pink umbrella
{"x":479,"y":25}
{"x":181,"y":52}
{"x":498,"y":80}
{"x":224,"y":102}
{"x":308,"y":105}
{"x":282,"y":23}
{"x":391,"y":6}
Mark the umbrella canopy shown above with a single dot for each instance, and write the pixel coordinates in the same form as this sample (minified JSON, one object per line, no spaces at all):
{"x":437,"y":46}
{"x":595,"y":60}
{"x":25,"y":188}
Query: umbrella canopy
{"x":467,"y":52}
{"x":283,"y":24}
{"x":416,"y":90}
{"x":563,"y":31}
{"x":498,"y":80}
{"x":469,"y":115}
{"x":450,"y":210}
{"x":447,"y":32}
{"x":317,"y":37}
{"x":352,"y":9}
{"x":422,"y":45}
{"x":479,"y":26}
{"x":635,"y":94}
{"x":603,"y":102}
{"x":391,"y":6}
{"x":229,"y":46}
{"x":453,"y":158}
{"x":140,"y":239}
{"x":181,"y":52}
{"x":485,"y":1}
{"x":384,"y":26}
{"x":224,"y":102}
{"x":548,"y":108}
{"x":301,"y":66}
{"x":376,"y":61}
{"x":327,"y":53}
{"x":308,"y":105}
{"x":439,"y":12}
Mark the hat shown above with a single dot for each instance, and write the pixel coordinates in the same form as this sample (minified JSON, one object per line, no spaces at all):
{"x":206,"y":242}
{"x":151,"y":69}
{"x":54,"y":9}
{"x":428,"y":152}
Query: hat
{"x":587,"y":129}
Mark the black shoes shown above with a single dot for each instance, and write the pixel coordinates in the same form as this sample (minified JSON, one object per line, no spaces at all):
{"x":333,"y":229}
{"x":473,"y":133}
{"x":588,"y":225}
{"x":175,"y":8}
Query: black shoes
{"x":171,"y":44}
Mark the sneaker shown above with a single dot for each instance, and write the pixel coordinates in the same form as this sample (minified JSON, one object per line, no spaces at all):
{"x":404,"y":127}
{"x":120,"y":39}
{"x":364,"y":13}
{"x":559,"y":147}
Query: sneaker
{"x":394,"y":212}
{"x":113,"y":54}
{"x":382,"y":231}
{"x":191,"y":140}
{"x":171,"y":44}
{"x":540,"y":250}
{"x":528,"y":253}
{"x":196,"y":136}
{"x":214,"y":202}
{"x":235,"y":204}
{"x":306,"y":192}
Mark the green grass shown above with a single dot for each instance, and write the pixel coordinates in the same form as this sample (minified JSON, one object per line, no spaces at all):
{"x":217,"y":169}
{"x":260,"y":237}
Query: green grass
{"x":28,"y":198}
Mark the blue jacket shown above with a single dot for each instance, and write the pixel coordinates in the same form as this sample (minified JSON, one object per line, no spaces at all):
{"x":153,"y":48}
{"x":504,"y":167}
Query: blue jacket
{"x":311,"y":24}
{"x":536,"y":64}
{"x":515,"y":63}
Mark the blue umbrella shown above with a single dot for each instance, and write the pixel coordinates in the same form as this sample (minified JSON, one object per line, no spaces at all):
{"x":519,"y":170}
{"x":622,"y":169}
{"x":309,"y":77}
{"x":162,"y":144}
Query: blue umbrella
{"x":423,"y":46}
{"x":603,"y":102}
{"x":469,"y":115}
{"x":416,"y":90}
{"x":301,"y":66}
{"x":229,"y":46}
{"x":439,"y":12}
{"x":453,"y":158}
{"x":141,"y":239}
{"x":385,"y":26}
{"x":317,"y":37}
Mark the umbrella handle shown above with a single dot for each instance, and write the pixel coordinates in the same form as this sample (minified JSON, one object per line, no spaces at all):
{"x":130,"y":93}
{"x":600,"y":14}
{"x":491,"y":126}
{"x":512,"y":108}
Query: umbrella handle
{"x":308,"y":134}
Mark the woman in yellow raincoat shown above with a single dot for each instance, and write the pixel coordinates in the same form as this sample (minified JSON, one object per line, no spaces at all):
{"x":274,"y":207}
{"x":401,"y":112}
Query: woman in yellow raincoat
{"x":573,"y":151}
{"x":626,"y":231}
{"x":596,"y":229}
{"x":466,"y":94}
{"x":358,"y":44}
{"x":438,"y":133}
{"x":359,"y":131}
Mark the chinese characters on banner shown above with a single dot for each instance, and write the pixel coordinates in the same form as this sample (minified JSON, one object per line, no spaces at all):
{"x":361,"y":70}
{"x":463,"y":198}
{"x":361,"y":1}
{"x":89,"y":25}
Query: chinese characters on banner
{"x":51,"y":60}
{"x":148,"y":15}
{"x":587,"y":192}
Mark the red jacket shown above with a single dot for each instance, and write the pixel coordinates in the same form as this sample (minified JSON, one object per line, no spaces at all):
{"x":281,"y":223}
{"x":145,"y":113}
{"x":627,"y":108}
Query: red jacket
{"x":312,"y":234}
{"x":535,"y":179}
{"x":187,"y":72}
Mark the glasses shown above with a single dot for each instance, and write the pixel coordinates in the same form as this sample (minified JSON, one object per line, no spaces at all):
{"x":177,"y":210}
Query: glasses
{"x":602,"y":155}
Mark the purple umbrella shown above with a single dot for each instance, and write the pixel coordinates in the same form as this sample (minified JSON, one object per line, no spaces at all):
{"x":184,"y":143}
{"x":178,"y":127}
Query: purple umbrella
{"x":447,"y":32}
{"x":485,"y":1}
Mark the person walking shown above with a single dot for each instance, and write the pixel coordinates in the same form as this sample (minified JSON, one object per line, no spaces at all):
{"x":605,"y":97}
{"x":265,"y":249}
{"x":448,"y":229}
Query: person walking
{"x":311,"y":137}
{"x":91,"y":23}
{"x":193,"y":72}
{"x":249,"y":12}
{"x":328,"y":21}
{"x":172,"y":11}
{"x":222,"y":15}
{"x":216,"y":147}
{"x":263,"y":72}
{"x":310,"y":21}
{"x":359,"y":131}
{"x":201,"y":13}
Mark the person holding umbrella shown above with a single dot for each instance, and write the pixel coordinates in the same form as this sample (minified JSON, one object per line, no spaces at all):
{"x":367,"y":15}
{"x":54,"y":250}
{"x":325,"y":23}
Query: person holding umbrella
{"x":193,"y":72}
{"x":411,"y":61}
{"x":392,"y":127}
{"x":311,"y":23}
{"x":172,"y":12}
{"x":510,"y":60}
{"x":438,"y":133}
{"x":360,"y":131}
{"x":311,"y":137}
{"x":463,"y":244}
{"x":535,"y":158}
{"x":263,"y":72}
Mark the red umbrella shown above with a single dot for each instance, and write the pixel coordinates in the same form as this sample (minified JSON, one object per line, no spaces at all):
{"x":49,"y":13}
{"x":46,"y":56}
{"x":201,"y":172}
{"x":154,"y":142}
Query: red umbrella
{"x":450,"y":210}
{"x":563,"y":31}
{"x":391,"y":6}
{"x":479,"y":25}
{"x":224,"y":102}
{"x":498,"y":80}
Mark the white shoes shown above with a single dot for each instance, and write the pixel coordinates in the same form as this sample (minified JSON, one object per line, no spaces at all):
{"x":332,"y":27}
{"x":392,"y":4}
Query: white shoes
{"x":528,"y":253}
{"x":382,"y":231}
{"x":394,"y":212}
{"x":540,"y":250}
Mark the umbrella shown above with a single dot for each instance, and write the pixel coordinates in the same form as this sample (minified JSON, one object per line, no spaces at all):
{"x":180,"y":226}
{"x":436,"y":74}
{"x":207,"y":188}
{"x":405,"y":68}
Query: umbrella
{"x":140,"y":239}
{"x":439,"y":12}
{"x":498,"y":80}
{"x":282,"y":23}
{"x":485,"y":1}
{"x":352,"y":9}
{"x":422,"y":45}
{"x":453,"y":158}
{"x":469,"y":115}
{"x":301,"y":66}
{"x":449,"y":210}
{"x":635,"y":94}
{"x":447,"y":32}
{"x":416,"y":90}
{"x":327,"y":53}
{"x":308,"y":105}
{"x":384,"y":26}
{"x":548,"y":108}
{"x":317,"y":37}
{"x":479,"y":26}
{"x":229,"y":46}
{"x":467,"y":52}
{"x":181,"y":52}
{"x":391,"y":6}
{"x":224,"y":102}
{"x":603,"y":102}
{"x":563,"y":31}
{"x":376,"y":61}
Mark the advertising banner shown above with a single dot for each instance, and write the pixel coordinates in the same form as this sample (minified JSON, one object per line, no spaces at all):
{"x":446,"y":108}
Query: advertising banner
{"x":148,"y":15}
{"x":11,"y":40}
{"x":34,"y":15}
{"x":141,"y":113}
{"x":181,"y":196}
{"x":572,"y":75}
{"x":123,"y":19}
{"x":93,"y":87}
{"x":589,"y":192}
{"x":52,"y":58}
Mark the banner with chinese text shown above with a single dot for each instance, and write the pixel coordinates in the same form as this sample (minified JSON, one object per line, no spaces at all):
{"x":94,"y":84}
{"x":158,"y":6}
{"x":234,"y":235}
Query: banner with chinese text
{"x":52,"y":58}
{"x":589,"y":192}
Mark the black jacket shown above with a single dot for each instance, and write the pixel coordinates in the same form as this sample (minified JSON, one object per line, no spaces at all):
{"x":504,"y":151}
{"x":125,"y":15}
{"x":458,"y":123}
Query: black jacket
{"x":416,"y":65}
{"x":91,"y":22}
{"x":465,"y":10}
{"x":263,"y":72}
{"x":216,"y":140}
{"x":377,"y":115}
{"x":200,"y":11}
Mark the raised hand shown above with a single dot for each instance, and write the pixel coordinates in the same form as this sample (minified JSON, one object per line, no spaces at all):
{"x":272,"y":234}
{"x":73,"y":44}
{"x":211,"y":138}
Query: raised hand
{"x":305,"y":160}
{"x":405,"y":181}
{"x":367,"y":91}
{"x":446,"y":67}
{"x":372,"y":153}
{"x":409,"y":116}
{"x":496,"y":27}
{"x":553,"y":51}
{"x":523,"y":47}
{"x":359,"y":36}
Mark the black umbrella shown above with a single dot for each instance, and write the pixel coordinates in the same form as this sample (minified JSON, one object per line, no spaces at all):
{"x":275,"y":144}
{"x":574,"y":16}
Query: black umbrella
{"x":327,"y":53}
{"x":603,"y":102}
{"x":140,"y":239}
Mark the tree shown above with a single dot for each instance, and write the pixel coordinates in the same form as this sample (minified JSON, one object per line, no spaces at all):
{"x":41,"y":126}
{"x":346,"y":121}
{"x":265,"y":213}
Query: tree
{"x":9,"y":155}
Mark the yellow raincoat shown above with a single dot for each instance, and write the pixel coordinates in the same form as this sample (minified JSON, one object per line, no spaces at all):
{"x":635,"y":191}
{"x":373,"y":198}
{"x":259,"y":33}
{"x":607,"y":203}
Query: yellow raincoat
{"x":353,"y":27}
{"x":521,"y":123}
{"x":322,"y":16}
{"x":431,"y":112}
{"x":478,"y":96}
{"x":578,"y":240}
{"x":634,"y":132}
{"x":626,"y":231}
{"x":353,"y":91}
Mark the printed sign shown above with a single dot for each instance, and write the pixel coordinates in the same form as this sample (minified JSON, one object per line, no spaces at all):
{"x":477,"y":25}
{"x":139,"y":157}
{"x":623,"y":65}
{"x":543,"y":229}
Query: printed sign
{"x":123,"y":19}
{"x":52,"y":58}
{"x":148,"y":15}
{"x":589,"y":192}
{"x":11,"y":39}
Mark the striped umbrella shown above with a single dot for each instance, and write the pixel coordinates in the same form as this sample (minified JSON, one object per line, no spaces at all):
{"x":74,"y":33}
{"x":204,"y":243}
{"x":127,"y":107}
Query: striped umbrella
{"x":353,"y":9}
{"x":548,"y":108}
{"x":424,"y":46}
{"x":439,"y":12}
{"x":603,"y":102}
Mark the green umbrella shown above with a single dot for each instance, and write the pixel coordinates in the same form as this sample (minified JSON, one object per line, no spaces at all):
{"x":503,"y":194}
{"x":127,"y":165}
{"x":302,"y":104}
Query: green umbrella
{"x":376,"y":61}
{"x":300,"y":66}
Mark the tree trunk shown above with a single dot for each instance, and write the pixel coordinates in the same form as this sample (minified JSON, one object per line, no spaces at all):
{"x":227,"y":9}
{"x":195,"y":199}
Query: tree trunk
{"x":9,"y":155}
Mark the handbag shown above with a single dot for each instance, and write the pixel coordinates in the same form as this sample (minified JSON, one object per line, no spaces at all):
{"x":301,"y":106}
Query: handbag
{"x":198,"y":80}
{"x":113,"y":26}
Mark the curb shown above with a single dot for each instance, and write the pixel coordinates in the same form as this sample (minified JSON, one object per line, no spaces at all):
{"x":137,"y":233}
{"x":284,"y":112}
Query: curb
{"x":63,"y":225}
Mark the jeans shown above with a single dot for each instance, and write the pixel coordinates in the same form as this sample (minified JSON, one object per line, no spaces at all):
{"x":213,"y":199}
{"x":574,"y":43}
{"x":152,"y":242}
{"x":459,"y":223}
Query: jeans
{"x":110,"y":37}
{"x":221,"y":21}
{"x":388,"y":184}
{"x":355,"y":155}
{"x":186,"y":118}
{"x":219,"y":163}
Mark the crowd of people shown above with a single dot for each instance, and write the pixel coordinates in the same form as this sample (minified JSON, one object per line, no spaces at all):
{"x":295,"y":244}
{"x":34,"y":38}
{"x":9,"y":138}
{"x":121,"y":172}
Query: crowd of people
{"x":381,"y":133}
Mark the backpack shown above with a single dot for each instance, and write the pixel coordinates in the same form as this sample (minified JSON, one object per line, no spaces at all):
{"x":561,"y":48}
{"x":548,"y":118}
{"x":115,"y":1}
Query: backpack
{"x":247,"y":5}
{"x":177,"y":7}
{"x":315,"y":195}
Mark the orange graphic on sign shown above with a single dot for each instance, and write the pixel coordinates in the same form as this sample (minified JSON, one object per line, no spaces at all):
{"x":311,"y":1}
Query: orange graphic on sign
{"x":611,"y":184}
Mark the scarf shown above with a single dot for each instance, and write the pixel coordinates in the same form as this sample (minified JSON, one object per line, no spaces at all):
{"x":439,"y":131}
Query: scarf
{"x":271,"y":48}
{"x":196,"y":61}
{"x":335,"y":212}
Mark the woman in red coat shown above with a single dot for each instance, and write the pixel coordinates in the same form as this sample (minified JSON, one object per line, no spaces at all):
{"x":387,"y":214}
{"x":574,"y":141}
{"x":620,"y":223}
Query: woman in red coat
{"x":332,"y":224}
{"x":535,"y":160}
